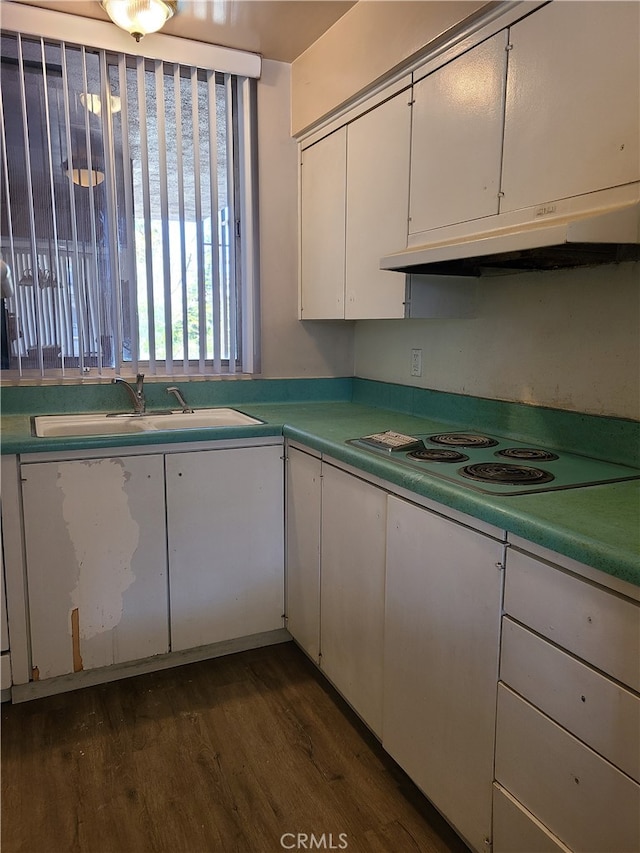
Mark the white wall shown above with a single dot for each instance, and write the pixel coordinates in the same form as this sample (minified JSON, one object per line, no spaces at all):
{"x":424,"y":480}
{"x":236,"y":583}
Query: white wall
{"x":290,"y":348}
{"x":568,"y":339}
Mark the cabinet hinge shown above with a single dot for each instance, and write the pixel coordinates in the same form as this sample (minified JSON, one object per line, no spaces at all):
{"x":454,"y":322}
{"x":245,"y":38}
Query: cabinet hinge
{"x":509,"y":46}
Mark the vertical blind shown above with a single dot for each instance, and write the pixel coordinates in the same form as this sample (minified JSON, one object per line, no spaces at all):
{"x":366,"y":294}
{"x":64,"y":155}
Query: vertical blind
{"x":122,"y":212}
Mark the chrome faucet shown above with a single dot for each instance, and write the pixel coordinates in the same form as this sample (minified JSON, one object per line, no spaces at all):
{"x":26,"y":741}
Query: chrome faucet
{"x":136,"y":394}
{"x":186,"y":408}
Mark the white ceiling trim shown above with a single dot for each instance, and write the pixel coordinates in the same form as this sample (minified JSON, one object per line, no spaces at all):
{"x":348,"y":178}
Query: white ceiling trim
{"x":46,"y":23}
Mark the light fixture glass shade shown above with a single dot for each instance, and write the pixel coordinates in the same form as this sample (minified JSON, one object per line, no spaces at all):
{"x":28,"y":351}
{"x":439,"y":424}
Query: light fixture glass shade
{"x":93,"y":103}
{"x":86,"y":178}
{"x":140,"y":17}
{"x":82,"y":175}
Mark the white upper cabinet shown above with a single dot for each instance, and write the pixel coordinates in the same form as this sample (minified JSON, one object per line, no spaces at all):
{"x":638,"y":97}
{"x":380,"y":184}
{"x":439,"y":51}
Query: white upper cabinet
{"x":322,"y":227}
{"x":354,"y":208}
{"x":572,"y":106}
{"x":377,"y":204}
{"x":456,"y":138}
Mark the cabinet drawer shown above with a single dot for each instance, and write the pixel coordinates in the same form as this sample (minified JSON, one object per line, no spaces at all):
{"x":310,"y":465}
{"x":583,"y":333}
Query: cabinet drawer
{"x":517,"y":831}
{"x":599,"y":711}
{"x":598,"y":626}
{"x":584,"y":800}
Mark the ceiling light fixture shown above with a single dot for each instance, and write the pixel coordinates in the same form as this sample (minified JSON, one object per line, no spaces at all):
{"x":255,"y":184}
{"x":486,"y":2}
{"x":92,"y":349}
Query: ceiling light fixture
{"x":140,"y":17}
{"x":93,"y":103}
{"x":84,"y":175}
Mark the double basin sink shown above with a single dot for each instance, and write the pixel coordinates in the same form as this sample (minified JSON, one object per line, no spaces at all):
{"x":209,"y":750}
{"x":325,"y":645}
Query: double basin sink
{"x":50,"y":426}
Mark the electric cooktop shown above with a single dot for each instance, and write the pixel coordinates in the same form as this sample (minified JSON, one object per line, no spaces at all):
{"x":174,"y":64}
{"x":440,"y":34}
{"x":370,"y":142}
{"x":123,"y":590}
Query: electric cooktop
{"x":492,"y":464}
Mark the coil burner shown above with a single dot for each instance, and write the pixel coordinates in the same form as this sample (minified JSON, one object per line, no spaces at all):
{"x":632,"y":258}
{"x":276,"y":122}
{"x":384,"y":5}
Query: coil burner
{"x":532,"y":453}
{"x":463,"y":439}
{"x":438,"y":454}
{"x":503,"y":472}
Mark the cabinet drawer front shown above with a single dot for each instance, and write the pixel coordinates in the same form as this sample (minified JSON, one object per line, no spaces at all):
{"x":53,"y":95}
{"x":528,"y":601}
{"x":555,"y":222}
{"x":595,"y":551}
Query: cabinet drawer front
{"x":517,"y":831}
{"x":600,"y":712}
{"x":598,"y":626}
{"x":583,"y":799}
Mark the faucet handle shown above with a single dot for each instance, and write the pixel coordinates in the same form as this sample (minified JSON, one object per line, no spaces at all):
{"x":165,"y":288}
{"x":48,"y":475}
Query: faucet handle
{"x":173,"y":389}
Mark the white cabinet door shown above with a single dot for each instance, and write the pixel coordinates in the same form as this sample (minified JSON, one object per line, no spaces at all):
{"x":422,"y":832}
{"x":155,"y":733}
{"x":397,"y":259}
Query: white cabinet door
{"x":5,"y":659}
{"x":572,"y":108}
{"x":456,"y":138}
{"x":96,"y":562}
{"x":322,"y":228}
{"x":303,"y":550}
{"x":352,"y":590}
{"x":442,"y":623}
{"x":377,"y":201}
{"x":225,"y":512}
{"x":3,"y":604}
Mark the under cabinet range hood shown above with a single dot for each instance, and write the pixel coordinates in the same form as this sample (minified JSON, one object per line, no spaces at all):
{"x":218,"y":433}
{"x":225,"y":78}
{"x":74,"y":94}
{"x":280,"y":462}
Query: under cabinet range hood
{"x":550,"y":236}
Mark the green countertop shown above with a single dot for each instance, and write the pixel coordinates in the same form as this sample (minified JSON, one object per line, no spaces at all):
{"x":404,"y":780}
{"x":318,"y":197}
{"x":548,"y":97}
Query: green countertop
{"x":596,"y":525}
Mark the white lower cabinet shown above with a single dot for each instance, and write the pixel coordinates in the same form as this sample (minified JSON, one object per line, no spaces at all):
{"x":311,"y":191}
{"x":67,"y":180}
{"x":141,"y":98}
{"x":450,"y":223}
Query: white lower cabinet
{"x":94,"y":532}
{"x":225,"y":512}
{"x":568,"y":723}
{"x":352,"y":590}
{"x":132,"y":556}
{"x":302,"y":563}
{"x":5,"y":657}
{"x":441,"y":642}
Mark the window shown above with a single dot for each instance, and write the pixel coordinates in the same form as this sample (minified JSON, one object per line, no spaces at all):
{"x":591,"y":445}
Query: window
{"x":126,"y":214}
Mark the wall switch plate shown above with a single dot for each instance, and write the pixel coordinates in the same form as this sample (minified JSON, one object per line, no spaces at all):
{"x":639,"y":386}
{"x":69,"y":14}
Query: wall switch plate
{"x":416,"y":362}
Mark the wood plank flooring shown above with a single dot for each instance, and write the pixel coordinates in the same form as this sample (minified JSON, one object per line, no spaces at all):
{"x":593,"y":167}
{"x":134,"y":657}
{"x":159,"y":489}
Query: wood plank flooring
{"x":226,"y":755}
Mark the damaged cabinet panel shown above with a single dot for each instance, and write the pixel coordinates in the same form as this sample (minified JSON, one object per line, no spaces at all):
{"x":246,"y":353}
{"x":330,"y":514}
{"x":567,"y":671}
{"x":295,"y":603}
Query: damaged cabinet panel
{"x":96,"y":562}
{"x":225,"y":511}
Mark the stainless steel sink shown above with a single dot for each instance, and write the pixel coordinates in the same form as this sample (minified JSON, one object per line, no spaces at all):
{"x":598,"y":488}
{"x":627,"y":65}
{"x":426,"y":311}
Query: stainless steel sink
{"x":49,"y":426}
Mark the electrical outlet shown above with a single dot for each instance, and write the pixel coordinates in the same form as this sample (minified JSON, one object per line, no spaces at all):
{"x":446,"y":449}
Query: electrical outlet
{"x":416,"y":362}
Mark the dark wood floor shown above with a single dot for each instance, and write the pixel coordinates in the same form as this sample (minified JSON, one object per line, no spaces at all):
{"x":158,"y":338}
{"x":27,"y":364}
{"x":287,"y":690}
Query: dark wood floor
{"x":225,"y":755}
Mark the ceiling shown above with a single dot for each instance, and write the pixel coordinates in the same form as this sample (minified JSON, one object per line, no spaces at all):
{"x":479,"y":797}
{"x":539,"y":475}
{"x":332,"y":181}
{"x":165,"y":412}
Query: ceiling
{"x":276,"y":29}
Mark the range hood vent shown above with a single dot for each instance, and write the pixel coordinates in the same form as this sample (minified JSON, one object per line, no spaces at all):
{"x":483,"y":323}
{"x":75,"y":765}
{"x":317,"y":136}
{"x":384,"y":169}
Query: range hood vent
{"x":603,"y":236}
